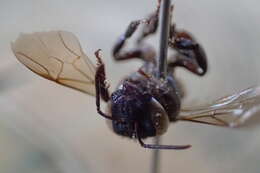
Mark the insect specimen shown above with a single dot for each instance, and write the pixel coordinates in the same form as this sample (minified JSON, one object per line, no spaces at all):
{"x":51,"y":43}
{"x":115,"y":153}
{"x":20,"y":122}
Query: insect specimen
{"x":142,"y":106}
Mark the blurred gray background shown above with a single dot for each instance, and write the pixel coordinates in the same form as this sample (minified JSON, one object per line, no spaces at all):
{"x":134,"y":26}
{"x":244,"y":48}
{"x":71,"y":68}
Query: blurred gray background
{"x":45,"y":127}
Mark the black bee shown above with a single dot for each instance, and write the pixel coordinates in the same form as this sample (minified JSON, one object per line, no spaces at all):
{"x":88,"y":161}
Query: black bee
{"x":142,"y":106}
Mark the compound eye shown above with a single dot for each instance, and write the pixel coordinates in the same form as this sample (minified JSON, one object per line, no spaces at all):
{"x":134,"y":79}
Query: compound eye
{"x":159,"y":117}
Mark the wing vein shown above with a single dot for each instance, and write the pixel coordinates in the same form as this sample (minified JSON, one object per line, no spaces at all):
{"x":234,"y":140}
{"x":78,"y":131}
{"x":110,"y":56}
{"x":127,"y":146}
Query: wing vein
{"x":31,"y":59}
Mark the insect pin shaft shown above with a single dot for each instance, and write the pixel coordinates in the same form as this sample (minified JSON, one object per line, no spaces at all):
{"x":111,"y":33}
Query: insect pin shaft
{"x":164,"y":27}
{"x":164,"y":35}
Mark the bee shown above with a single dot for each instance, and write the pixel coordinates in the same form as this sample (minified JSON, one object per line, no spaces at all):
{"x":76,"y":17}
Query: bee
{"x":142,"y":105}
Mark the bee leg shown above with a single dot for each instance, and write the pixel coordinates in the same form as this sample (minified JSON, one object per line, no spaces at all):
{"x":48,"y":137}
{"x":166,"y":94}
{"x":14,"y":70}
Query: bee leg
{"x":117,"y":50}
{"x":172,"y":25}
{"x":152,"y":25}
{"x":189,"y":53}
{"x":101,"y":85}
{"x":153,"y":19}
{"x":189,"y":63}
{"x":154,"y":146}
{"x":145,"y":53}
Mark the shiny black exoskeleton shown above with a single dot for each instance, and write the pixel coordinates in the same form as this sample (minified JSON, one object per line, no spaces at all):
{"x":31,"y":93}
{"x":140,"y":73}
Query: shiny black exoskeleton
{"x":143,"y":105}
{"x":146,"y":100}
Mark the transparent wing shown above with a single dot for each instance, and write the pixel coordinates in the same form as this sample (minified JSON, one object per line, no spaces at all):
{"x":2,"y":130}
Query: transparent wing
{"x":57,"y":56}
{"x":230,"y":111}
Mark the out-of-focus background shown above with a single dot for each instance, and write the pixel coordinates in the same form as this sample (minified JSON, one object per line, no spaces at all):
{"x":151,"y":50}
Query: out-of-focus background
{"x":45,"y":127}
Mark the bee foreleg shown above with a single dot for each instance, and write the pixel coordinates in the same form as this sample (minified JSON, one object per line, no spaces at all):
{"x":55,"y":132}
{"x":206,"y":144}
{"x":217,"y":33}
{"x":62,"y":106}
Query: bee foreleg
{"x":152,"y":25}
{"x":190,"y":54}
{"x":144,"y":52}
{"x":179,"y":60}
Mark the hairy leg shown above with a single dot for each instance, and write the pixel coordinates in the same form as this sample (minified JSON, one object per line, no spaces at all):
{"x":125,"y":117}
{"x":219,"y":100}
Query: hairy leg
{"x":101,"y":85}
{"x":152,"y":25}
{"x":190,"y":54}
{"x":155,"y":146}
{"x":145,"y":53}
{"x":142,"y":51}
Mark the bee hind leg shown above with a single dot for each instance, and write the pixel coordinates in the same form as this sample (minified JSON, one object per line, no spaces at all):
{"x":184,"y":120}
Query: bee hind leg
{"x":101,"y":85}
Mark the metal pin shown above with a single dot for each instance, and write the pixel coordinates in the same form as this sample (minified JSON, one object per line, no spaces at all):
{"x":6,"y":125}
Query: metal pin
{"x":162,"y":66}
{"x":164,"y":35}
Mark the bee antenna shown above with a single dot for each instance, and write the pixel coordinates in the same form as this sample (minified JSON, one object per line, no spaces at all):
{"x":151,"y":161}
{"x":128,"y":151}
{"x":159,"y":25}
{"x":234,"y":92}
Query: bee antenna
{"x":154,"y":146}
